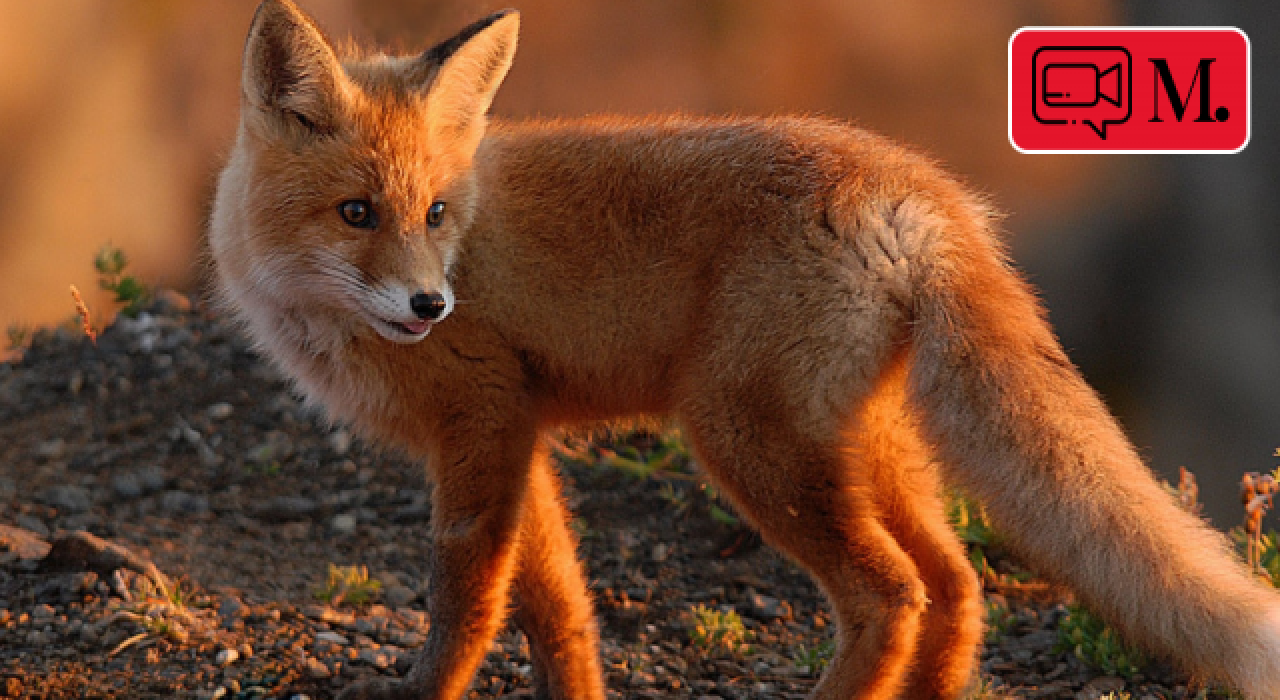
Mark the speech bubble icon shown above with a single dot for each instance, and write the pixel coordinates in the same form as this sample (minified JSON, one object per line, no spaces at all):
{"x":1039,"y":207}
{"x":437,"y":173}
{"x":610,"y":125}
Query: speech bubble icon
{"x":1090,"y":85}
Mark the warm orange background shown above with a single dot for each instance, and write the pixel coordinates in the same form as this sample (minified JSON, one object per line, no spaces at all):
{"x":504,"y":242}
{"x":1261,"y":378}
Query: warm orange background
{"x":1162,"y":273}
{"x":114,"y":113}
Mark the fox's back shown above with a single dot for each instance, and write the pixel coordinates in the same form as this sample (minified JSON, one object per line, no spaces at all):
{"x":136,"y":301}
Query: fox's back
{"x":617,"y":235}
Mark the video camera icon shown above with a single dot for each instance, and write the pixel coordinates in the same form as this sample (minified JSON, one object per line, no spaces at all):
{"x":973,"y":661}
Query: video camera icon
{"x":1090,"y":85}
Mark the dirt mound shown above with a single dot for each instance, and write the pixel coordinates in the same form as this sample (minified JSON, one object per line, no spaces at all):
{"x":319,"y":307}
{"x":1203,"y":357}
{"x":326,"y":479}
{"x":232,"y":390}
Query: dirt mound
{"x":221,"y":513}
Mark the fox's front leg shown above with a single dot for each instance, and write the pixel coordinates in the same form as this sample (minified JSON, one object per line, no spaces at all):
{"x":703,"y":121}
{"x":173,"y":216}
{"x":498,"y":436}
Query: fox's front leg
{"x":482,"y":479}
{"x":554,"y":609}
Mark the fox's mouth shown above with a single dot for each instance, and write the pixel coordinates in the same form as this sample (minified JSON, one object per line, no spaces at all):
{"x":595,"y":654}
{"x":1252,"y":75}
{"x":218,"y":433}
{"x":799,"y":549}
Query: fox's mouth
{"x":404,"y":332}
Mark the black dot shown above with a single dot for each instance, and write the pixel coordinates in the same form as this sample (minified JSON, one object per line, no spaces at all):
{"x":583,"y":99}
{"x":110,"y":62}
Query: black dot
{"x":1221,"y":114}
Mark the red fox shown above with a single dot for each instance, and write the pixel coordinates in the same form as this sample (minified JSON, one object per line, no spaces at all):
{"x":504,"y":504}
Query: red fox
{"x":830,"y":317}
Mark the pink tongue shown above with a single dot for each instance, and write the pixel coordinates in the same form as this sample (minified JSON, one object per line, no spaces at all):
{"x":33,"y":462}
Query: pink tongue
{"x":416,"y":327}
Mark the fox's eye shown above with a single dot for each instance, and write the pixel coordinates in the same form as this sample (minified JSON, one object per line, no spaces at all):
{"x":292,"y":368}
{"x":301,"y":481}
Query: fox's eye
{"x":435,"y":214}
{"x":357,"y":213}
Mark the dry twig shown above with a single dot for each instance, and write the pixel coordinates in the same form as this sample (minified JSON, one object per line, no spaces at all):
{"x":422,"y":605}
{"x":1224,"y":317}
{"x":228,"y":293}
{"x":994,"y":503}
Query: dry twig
{"x":83,"y":310}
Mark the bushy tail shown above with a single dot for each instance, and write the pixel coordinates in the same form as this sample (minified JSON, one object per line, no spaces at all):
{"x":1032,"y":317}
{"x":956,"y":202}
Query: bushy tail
{"x":1016,"y":425}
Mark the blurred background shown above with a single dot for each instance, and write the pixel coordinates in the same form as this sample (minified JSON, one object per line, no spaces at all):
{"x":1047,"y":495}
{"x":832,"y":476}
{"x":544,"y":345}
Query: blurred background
{"x":1162,"y":273}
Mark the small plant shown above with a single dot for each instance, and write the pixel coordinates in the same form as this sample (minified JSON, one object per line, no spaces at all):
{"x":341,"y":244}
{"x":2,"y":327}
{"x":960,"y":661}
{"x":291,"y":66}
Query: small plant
{"x":160,"y":612}
{"x":1257,"y":492}
{"x":19,"y":334}
{"x":715,"y":510}
{"x":813,"y":660}
{"x":666,"y":453}
{"x":179,"y":596}
{"x":271,"y":468}
{"x":719,"y":629}
{"x":1096,"y":644}
{"x":970,"y":521}
{"x":985,"y":689}
{"x":110,"y":264}
{"x":1116,"y":695}
{"x":349,"y":584}
{"x":1261,"y":551}
{"x":999,"y":620}
{"x":1187,"y":492}
{"x":582,"y":529}
{"x":663,"y":457}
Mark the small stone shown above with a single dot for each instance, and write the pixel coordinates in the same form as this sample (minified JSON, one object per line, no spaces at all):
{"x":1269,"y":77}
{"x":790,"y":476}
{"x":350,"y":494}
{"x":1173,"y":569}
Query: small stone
{"x":327,"y":614}
{"x":283,"y":509}
{"x":76,"y":382}
{"x":343,"y":523}
{"x":208,"y":458}
{"x":407,"y":638}
{"x":41,"y":613}
{"x":183,"y":503}
{"x":89,"y":635}
{"x":317,"y":670}
{"x":660,"y":552}
{"x":51,"y":449}
{"x":226,"y":657}
{"x":13,"y":687}
{"x":172,"y":302}
{"x":151,"y":478}
{"x":340,"y":442}
{"x":763,"y":607}
{"x":220,"y":410}
{"x":32,"y":523}
{"x":25,"y":541}
{"x":300,"y":530}
{"x":68,"y":497}
{"x":1102,"y":686}
{"x":232,"y":610}
{"x":278,"y":447}
{"x":375,"y":657}
{"x":398,"y":596}
{"x":332,"y":638}
{"x":127,"y":485}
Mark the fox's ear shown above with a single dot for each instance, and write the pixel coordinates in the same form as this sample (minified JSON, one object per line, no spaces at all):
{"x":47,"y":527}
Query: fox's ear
{"x":289,"y":67}
{"x":472,"y":65}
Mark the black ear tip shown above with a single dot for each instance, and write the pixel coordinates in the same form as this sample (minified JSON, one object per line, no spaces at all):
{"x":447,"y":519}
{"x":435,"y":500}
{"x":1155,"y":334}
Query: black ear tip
{"x":441,"y":52}
{"x":486,"y":22}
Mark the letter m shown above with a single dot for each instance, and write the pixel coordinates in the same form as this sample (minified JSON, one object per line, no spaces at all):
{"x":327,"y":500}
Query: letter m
{"x":1163,"y":75}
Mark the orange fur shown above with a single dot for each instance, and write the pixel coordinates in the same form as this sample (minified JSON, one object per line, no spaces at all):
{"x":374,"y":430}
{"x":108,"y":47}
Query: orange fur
{"x":829,"y":315}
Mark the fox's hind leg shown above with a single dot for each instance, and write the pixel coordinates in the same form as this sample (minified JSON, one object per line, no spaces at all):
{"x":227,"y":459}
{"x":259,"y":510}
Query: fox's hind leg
{"x":889,"y":448}
{"x":554,"y":609}
{"x":807,"y":502}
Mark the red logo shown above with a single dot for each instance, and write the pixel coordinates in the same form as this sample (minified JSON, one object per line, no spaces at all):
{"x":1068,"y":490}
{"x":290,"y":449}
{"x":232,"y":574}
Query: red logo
{"x":1129,"y":90}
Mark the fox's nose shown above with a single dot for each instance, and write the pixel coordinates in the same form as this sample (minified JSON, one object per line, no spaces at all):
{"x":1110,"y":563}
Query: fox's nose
{"x":428,"y":307}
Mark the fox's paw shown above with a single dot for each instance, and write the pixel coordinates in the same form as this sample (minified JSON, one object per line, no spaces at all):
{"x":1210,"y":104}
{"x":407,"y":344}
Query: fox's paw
{"x":375,"y":689}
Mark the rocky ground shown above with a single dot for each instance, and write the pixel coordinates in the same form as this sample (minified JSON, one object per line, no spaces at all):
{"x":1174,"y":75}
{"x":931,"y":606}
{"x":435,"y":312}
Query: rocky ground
{"x":171,"y":513}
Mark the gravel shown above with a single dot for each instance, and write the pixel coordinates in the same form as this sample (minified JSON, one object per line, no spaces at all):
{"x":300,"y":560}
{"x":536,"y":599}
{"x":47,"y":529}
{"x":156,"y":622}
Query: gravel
{"x":217,"y":503}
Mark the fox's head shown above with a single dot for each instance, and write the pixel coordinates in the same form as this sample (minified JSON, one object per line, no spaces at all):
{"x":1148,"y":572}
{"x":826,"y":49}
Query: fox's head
{"x":345,"y":197}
